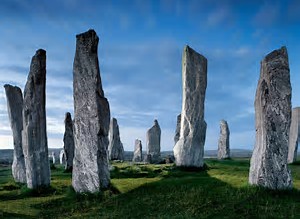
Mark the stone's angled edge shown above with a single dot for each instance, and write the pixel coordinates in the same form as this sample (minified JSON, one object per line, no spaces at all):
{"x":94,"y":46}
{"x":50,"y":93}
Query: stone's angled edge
{"x":115,"y":147}
{"x":137,"y":154}
{"x":34,"y":134}
{"x":14,"y":108}
{"x":189,"y":149}
{"x":177,"y":131}
{"x":153,"y":136}
{"x":294,"y":135}
{"x":223,"y":145}
{"x":68,"y":142}
{"x":91,"y":118}
{"x":268,"y":166}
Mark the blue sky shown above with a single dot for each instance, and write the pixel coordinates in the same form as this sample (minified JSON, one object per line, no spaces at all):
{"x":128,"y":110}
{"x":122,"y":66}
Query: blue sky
{"x":140,"y":51}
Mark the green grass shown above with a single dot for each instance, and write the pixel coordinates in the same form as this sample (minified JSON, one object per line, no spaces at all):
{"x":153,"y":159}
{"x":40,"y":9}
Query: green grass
{"x":154,"y":191}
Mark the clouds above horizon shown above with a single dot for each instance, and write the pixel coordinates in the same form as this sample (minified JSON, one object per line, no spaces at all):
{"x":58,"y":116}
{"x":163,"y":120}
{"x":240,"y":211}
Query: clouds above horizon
{"x":140,"y":51}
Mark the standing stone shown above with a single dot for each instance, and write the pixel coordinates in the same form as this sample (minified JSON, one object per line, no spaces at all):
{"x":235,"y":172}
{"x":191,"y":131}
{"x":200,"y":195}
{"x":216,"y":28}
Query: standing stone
{"x":91,"y":118}
{"x":177,"y":132}
{"x":268,"y":166}
{"x":153,"y":143}
{"x":62,"y":157}
{"x":69,"y":142}
{"x":53,"y":157}
{"x":138,"y":151}
{"x":294,"y":135}
{"x":14,"y":108}
{"x":223,"y":146}
{"x":189,"y":150}
{"x":115,"y":147}
{"x":34,"y":135}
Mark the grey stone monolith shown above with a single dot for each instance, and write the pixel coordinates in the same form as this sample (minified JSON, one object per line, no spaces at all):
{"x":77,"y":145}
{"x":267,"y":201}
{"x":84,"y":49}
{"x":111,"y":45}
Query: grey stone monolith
{"x":62,"y":157}
{"x":223,"y":145}
{"x":115,"y":147}
{"x":138,"y":151}
{"x":52,"y":156}
{"x":91,"y":118}
{"x":177,"y":132}
{"x":189,"y":149}
{"x":153,"y":143}
{"x":69,"y":142}
{"x":34,"y":134}
{"x":14,"y":108}
{"x":268,"y":167}
{"x":294,"y":135}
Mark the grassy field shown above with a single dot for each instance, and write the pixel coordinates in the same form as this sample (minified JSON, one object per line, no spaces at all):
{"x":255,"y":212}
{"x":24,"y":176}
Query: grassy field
{"x":155,"y":191}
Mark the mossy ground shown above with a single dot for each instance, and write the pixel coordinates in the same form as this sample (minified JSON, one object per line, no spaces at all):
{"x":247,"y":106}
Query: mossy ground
{"x":154,"y":191}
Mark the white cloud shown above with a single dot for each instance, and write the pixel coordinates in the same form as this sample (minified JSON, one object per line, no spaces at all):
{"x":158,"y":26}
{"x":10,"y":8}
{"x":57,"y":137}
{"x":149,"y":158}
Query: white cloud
{"x":6,"y":142}
{"x":218,"y":16}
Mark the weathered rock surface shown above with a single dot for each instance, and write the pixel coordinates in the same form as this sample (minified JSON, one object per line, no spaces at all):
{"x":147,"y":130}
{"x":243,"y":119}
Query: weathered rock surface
{"x":14,"y":108}
{"x":189,"y":150}
{"x":273,"y":118}
{"x":62,"y":157}
{"x":34,"y":135}
{"x":138,"y":151}
{"x":153,"y":142}
{"x":177,"y":132}
{"x":115,"y":147}
{"x":91,"y":118}
{"x":223,"y":146}
{"x":69,"y":146}
{"x":294,"y":135}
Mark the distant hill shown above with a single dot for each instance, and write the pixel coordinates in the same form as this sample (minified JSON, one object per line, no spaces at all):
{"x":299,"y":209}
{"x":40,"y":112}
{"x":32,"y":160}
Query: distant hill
{"x":6,"y":155}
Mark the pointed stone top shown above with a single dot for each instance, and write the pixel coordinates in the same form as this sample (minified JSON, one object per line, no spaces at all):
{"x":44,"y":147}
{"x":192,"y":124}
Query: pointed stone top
{"x":114,"y":119}
{"x":223,"y":121}
{"x":282,"y":52}
{"x":68,"y":117}
{"x":155,"y":122}
{"x":40,"y":52}
{"x":188,"y":50}
{"x":88,"y":40}
{"x":11,"y":87}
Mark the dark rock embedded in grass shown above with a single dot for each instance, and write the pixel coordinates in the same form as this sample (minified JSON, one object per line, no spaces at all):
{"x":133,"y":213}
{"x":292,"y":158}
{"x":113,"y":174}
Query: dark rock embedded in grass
{"x":273,"y":118}
{"x":91,"y":118}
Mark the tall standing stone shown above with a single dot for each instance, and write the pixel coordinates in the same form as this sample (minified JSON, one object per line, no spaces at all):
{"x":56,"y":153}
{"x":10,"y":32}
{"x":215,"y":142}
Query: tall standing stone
{"x":34,"y":135}
{"x":153,"y":143}
{"x":138,"y":151}
{"x":189,"y":150}
{"x":69,"y":142}
{"x":268,"y":166}
{"x":294,"y":135}
{"x":115,"y":147}
{"x":223,"y":146}
{"x":177,"y":132}
{"x":91,"y":118}
{"x":14,"y":108}
{"x":62,"y":157}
